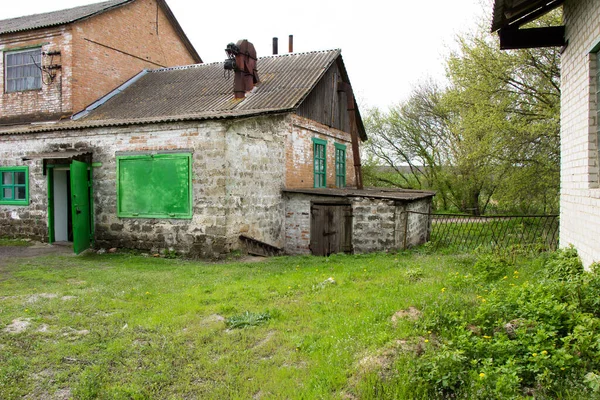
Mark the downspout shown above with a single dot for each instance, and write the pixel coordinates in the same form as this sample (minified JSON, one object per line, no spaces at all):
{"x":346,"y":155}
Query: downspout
{"x":345,"y":87}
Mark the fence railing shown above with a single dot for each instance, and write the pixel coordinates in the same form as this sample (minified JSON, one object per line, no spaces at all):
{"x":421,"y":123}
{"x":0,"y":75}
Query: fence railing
{"x":530,"y":233}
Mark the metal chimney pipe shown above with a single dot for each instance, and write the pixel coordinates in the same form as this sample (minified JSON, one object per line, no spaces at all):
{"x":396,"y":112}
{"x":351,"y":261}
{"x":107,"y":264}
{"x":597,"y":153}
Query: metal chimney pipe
{"x":291,"y":45}
{"x":275,"y":51}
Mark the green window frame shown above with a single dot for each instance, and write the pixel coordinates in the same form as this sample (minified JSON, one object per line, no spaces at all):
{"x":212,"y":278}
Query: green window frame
{"x":154,"y":185}
{"x":14,"y":186}
{"x":340,"y":165}
{"x":320,"y":162}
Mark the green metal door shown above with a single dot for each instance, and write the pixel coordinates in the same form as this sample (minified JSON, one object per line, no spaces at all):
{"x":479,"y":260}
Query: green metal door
{"x":80,"y":206}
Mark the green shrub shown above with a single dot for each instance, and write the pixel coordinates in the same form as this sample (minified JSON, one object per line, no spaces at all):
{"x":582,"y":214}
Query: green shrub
{"x":539,"y":339}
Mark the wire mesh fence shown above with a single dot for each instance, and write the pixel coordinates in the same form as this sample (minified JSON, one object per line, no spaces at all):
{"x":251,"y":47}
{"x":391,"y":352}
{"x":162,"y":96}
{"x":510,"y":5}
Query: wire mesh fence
{"x":528,"y":233}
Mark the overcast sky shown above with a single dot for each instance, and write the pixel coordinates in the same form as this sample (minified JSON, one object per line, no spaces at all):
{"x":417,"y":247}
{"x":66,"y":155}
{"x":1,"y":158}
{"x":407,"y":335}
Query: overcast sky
{"x":388,"y":46}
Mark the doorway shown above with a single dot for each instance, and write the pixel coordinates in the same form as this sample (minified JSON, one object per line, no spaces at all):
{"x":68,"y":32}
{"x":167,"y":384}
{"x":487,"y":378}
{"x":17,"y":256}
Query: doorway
{"x":69,"y":204}
{"x":330,"y":228}
{"x":63,"y":222}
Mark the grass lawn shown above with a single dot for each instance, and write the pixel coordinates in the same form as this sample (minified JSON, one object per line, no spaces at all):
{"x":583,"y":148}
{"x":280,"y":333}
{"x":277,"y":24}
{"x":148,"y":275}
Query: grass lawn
{"x":121,"y":326}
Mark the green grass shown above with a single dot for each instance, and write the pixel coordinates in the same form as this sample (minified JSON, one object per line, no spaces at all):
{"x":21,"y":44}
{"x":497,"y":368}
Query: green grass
{"x":119,"y":326}
{"x":14,"y":242}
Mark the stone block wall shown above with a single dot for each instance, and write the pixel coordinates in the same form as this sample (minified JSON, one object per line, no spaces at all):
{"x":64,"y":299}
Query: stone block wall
{"x":580,"y":188}
{"x":237,"y":178}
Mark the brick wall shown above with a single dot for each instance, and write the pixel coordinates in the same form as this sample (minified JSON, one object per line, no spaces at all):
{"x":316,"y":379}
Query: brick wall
{"x":299,"y":153}
{"x":116,"y":45}
{"x":54,"y":98}
{"x":237,"y":179}
{"x":580,"y":191}
{"x":377,"y":225}
{"x":97,"y":55}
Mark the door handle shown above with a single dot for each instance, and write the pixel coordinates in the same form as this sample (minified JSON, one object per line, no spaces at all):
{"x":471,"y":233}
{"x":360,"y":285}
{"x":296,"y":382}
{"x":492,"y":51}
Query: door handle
{"x":77,"y":210}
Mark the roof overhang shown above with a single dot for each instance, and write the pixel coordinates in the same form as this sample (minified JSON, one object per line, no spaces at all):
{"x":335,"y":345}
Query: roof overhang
{"x":56,"y":155}
{"x":510,"y":15}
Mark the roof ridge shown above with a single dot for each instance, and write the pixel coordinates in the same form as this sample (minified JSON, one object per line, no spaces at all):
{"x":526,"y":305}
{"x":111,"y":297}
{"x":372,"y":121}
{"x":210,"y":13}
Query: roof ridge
{"x":190,"y":66}
{"x":38,"y":19}
{"x":65,"y":9}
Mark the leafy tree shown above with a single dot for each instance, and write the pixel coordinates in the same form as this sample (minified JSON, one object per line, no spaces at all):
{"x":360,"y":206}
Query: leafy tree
{"x":490,"y":138}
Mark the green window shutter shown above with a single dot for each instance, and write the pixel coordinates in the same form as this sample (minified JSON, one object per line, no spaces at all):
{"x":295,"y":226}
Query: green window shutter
{"x":320,"y":162}
{"x":14,"y":186}
{"x":340,"y":165}
{"x":154,"y":186}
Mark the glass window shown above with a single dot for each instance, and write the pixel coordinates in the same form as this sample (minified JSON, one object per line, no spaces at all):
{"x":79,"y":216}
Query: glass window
{"x":22,"y":70}
{"x":154,"y":186}
{"x":340,"y":165}
{"x":14,"y":186}
{"x":320,"y":162}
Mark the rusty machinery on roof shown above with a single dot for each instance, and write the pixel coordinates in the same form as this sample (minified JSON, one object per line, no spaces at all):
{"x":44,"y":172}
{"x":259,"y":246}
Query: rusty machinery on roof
{"x":241,"y":58}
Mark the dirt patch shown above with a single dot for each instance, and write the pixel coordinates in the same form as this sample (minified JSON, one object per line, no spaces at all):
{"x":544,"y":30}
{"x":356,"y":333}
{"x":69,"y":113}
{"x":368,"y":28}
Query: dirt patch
{"x":411,"y":313}
{"x":18,"y":325}
{"x":36,"y":297}
{"x":266,"y":340}
{"x":212,"y":319}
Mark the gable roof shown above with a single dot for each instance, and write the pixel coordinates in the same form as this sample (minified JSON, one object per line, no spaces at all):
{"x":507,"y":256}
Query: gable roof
{"x":204,"y":91}
{"x":68,"y":16}
{"x":518,"y":12}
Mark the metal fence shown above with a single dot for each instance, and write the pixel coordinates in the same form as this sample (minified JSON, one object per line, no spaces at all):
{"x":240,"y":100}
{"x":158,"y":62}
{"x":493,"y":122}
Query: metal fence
{"x":529,"y":233}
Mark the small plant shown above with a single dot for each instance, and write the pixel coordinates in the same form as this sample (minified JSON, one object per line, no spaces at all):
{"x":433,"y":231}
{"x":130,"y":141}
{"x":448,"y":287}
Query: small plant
{"x":170,"y":253}
{"x":247,"y":319}
{"x":414,"y":274}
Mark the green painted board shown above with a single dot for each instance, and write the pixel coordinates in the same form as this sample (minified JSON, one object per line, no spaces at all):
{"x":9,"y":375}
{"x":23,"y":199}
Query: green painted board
{"x":154,"y":186}
{"x":80,"y":206}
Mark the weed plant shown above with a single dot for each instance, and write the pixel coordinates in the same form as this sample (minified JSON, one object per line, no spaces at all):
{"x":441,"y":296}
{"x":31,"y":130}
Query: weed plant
{"x":522,"y":333}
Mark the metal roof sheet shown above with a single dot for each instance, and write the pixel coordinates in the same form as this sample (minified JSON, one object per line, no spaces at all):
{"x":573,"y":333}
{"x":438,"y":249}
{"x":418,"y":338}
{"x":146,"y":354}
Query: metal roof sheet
{"x":56,"y":18}
{"x":380,"y":193}
{"x":518,"y":12}
{"x":207,"y":89}
{"x":200,"y":92}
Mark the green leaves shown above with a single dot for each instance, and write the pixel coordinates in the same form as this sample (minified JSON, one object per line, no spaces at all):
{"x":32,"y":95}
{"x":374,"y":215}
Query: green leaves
{"x":490,"y":138}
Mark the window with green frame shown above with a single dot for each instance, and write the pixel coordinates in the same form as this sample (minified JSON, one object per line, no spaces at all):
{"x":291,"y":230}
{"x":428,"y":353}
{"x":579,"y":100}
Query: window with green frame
{"x":154,"y":185}
{"x":340,"y":165}
{"x":14,"y":186}
{"x":320,"y":162}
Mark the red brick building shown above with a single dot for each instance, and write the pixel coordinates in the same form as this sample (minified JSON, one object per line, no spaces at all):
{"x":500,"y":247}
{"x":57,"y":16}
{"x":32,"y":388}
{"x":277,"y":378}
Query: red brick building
{"x":55,"y":64}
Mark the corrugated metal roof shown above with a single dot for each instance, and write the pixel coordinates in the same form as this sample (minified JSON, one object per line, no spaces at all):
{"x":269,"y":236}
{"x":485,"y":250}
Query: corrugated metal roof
{"x":379,"y":193}
{"x":516,"y":12}
{"x":201,"y":92}
{"x":207,"y":89}
{"x":56,"y":18}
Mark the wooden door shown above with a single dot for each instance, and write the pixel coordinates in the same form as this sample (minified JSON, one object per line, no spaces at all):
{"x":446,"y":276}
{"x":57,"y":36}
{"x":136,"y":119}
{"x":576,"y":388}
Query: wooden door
{"x":330,"y":229}
{"x":80,"y":206}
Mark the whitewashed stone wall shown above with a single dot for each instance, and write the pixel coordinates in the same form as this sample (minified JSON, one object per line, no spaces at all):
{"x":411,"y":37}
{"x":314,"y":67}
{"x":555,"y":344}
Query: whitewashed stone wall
{"x":238,"y":174}
{"x":580,"y":189}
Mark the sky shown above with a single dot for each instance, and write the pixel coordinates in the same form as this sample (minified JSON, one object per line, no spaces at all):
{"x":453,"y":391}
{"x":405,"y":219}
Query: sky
{"x":388,"y":46}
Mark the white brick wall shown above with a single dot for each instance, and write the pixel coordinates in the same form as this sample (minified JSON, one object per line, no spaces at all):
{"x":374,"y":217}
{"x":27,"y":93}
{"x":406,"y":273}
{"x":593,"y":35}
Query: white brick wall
{"x":580,"y":189}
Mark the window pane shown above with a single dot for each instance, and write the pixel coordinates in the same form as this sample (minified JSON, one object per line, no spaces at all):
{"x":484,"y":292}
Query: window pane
{"x":20,"y":178}
{"x":20,"y":193}
{"x":7,"y":178}
{"x":7,"y":194}
{"x":22,"y":70}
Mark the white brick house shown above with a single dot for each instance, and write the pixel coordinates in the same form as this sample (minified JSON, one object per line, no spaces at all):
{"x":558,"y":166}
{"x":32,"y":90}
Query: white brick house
{"x":580,"y":95}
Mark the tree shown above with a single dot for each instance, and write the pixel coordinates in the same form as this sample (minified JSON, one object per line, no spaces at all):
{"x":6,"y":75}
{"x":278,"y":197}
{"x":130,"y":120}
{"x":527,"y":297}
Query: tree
{"x":491,"y":137}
